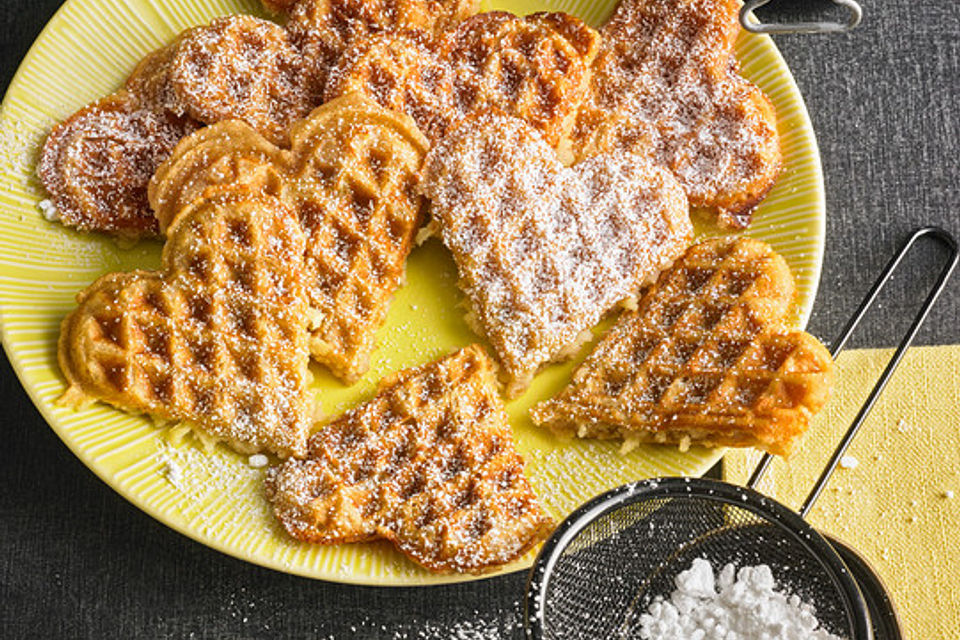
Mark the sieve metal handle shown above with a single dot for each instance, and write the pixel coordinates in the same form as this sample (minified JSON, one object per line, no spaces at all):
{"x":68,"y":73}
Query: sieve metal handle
{"x":950,"y":243}
{"x":854,"y":15}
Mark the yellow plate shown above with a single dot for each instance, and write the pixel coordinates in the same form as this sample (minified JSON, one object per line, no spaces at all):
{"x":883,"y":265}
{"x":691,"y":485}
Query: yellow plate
{"x":216,"y":498}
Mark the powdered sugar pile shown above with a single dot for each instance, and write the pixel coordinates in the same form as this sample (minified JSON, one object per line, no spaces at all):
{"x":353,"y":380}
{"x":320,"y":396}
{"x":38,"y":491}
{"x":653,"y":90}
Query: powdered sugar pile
{"x":739,"y":605}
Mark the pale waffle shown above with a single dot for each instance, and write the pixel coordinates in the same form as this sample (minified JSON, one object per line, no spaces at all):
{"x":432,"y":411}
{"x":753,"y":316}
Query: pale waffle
{"x":535,"y":68}
{"x":705,"y":359}
{"x":351,"y":174}
{"x":217,"y":338}
{"x":97,"y":163}
{"x":429,"y":464}
{"x":543,"y":251}
{"x":665,"y":84}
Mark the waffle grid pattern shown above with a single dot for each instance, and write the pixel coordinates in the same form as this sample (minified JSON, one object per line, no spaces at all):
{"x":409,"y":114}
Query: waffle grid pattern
{"x":351,"y":176}
{"x":429,"y":464}
{"x":534,"y":68}
{"x":544,"y":251}
{"x":703,"y":358}
{"x":217,"y":338}
{"x":241,"y":67}
{"x":666,"y":85}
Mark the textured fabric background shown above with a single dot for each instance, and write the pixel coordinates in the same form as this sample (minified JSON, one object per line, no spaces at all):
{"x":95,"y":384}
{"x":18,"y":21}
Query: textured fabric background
{"x":77,"y":561}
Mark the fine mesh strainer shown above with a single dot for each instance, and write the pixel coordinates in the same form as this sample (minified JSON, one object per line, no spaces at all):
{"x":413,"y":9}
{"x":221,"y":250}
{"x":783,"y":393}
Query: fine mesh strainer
{"x":607,"y":561}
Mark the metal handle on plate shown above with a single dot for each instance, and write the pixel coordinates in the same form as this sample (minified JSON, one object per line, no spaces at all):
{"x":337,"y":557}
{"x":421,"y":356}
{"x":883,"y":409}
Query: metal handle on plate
{"x":751,"y":24}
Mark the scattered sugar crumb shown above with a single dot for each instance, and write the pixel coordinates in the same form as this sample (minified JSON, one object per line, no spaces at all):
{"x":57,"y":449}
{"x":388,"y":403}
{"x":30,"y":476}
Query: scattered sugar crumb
{"x":258,"y":461}
{"x":849,"y":462}
{"x":172,"y":472}
{"x":203,"y":478}
{"x":903,"y":426}
{"x":49,"y":210}
{"x":948,"y":494}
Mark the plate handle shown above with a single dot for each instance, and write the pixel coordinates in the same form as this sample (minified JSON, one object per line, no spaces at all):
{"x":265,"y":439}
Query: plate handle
{"x":749,"y":22}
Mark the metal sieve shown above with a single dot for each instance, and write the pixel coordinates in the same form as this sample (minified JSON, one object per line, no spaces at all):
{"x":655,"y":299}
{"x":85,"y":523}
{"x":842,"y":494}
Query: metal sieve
{"x":607,"y":561}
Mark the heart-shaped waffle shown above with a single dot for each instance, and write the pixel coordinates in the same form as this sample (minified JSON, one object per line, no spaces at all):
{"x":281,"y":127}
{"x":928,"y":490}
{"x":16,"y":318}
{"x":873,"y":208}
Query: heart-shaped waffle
{"x":703,"y":360}
{"x":325,"y":29}
{"x":429,"y":464}
{"x":96,"y":164}
{"x":217,"y":338}
{"x":534,"y":68}
{"x":351,"y":174}
{"x":243,"y":68}
{"x":402,"y":71}
{"x":543,"y":251}
{"x":665,"y":84}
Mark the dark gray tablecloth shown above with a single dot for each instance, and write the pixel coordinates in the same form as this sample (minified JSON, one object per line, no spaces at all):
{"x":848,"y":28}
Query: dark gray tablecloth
{"x":77,"y":561}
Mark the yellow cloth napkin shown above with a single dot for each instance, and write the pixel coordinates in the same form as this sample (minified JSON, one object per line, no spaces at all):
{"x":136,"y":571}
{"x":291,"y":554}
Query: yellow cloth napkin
{"x":896,"y":499}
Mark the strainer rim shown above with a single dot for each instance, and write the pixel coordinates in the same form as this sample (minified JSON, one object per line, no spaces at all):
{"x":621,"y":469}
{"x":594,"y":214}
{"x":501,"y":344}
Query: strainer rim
{"x":701,"y":488}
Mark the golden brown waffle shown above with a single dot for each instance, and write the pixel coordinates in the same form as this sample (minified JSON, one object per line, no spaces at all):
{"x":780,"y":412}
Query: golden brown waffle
{"x":703,"y":360}
{"x":244,"y":68}
{"x":402,"y":71}
{"x":150,"y":81}
{"x":544,"y":251}
{"x":96,"y":164}
{"x":450,"y":10}
{"x":665,"y":84}
{"x":535,"y":68}
{"x":278,"y":6}
{"x":351,"y":175}
{"x":224,"y":155}
{"x":429,"y":464}
{"x":324,"y":29}
{"x":217,"y":338}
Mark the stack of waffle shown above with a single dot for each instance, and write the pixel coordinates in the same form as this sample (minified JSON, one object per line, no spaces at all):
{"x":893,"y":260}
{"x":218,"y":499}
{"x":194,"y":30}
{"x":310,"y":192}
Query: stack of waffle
{"x":560,"y":165}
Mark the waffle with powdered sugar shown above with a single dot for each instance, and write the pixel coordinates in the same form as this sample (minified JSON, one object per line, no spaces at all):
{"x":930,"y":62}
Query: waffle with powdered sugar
{"x":429,"y":464}
{"x":666,"y":85}
{"x":350,"y":174}
{"x":544,"y":251}
{"x":703,"y":360}
{"x":216,"y":338}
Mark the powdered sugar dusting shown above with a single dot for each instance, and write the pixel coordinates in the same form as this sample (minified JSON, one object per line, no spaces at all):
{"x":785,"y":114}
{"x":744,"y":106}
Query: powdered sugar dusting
{"x":544,"y":251}
{"x":246,"y":68}
{"x":217,"y":338}
{"x":202,"y":479}
{"x":703,"y":359}
{"x":429,"y":464}
{"x":666,"y":85}
{"x":97,"y":163}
